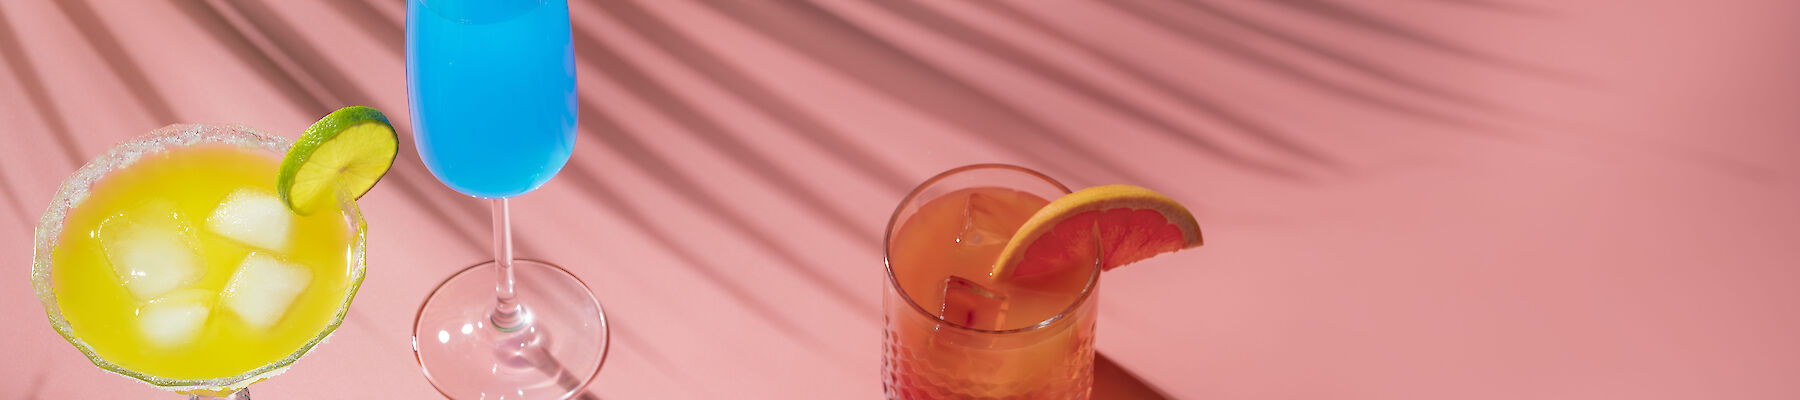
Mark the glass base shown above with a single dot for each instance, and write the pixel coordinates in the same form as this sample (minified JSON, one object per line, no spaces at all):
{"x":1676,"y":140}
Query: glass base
{"x":240,"y":394}
{"x":553,"y":354}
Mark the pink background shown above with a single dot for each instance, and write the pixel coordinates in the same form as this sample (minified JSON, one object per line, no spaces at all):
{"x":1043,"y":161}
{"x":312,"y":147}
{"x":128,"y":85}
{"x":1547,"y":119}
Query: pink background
{"x":1471,"y":199}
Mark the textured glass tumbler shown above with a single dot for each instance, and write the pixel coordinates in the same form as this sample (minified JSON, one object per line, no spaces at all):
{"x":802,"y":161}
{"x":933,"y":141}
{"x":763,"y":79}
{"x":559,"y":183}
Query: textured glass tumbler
{"x":926,"y":357}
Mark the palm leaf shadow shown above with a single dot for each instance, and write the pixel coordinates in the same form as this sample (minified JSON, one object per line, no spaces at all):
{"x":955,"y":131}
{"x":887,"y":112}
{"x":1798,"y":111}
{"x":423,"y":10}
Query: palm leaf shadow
{"x":13,"y":51}
{"x":969,"y":36}
{"x":829,"y":40}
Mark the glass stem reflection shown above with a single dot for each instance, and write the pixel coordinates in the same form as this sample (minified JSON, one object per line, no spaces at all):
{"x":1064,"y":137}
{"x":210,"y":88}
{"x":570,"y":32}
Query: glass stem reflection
{"x":240,"y":394}
{"x":507,"y":313}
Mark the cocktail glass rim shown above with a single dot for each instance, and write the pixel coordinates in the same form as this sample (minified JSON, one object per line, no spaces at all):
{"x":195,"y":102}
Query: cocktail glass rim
{"x":75,"y":190}
{"x":894,"y":282}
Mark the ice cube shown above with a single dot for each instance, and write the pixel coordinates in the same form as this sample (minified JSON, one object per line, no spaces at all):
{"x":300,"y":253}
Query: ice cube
{"x":971,"y":305}
{"x":263,"y":288}
{"x":151,"y":249}
{"x":253,"y":217}
{"x":990,"y":219}
{"x":175,"y":319}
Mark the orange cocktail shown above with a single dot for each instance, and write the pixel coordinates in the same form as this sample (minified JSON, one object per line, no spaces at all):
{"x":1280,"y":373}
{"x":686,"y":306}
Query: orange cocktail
{"x":956,"y":331}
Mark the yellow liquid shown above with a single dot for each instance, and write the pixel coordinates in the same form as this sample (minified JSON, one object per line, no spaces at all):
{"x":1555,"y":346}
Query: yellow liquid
{"x":102,"y":312}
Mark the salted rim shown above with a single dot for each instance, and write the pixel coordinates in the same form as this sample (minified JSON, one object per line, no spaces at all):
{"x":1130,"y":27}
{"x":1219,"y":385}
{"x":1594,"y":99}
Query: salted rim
{"x":75,"y":189}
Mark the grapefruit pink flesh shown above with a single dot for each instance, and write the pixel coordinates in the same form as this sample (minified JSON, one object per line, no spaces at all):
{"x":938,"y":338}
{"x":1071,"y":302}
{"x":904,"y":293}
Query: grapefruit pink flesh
{"x":1125,"y":223}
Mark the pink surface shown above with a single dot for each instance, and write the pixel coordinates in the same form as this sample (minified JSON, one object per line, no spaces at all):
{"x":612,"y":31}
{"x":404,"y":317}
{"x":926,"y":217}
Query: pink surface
{"x":1464,"y":199}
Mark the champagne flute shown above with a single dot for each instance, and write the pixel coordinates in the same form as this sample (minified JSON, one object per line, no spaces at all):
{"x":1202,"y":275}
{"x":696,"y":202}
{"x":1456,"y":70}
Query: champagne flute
{"x":492,"y":89}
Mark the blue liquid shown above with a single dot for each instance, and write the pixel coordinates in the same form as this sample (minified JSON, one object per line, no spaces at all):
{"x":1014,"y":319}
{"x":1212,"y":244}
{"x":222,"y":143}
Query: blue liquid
{"x":492,"y":89}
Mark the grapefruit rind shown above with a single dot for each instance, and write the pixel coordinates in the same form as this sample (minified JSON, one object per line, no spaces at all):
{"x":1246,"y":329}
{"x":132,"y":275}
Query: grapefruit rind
{"x":1125,"y":218}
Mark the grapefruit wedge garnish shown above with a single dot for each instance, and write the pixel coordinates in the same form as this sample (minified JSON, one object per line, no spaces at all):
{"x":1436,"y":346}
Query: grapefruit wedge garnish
{"x":1131,"y":223}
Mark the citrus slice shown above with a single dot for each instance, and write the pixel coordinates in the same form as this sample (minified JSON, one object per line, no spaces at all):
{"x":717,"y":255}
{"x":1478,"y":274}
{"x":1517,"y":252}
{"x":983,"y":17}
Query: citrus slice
{"x":350,"y":149}
{"x":1131,"y":223}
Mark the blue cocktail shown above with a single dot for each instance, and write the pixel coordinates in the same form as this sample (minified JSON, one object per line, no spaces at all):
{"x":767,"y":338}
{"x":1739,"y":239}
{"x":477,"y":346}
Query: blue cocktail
{"x":492,"y":89}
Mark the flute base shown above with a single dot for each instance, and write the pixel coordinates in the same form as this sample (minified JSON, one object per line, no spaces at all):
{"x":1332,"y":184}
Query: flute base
{"x":553,"y":354}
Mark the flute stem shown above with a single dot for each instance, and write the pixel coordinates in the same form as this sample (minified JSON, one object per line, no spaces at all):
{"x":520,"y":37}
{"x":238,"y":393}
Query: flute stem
{"x":507,"y":314}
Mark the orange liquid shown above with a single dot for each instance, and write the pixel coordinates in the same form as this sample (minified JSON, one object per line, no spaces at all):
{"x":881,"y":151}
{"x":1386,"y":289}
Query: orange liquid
{"x":960,"y":234}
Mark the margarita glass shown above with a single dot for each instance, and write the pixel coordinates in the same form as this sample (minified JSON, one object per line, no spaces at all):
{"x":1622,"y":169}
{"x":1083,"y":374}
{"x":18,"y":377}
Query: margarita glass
{"x":955,"y":331}
{"x":168,"y":260}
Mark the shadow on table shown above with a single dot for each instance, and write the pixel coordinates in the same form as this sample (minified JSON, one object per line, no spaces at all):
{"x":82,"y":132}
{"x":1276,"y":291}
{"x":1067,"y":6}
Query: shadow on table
{"x":1111,"y":382}
{"x":1114,"y":382}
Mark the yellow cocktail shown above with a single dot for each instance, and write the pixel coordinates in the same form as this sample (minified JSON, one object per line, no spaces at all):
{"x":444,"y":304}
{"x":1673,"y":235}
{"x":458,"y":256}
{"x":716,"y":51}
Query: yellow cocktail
{"x":171,"y":260}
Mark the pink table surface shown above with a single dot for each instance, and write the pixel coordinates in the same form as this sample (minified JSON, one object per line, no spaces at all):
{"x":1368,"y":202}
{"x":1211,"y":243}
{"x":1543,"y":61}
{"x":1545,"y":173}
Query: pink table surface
{"x":1469,"y":199}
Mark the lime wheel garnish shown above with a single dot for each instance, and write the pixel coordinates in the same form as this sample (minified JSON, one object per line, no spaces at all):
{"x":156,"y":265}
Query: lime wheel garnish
{"x":349,"y":150}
